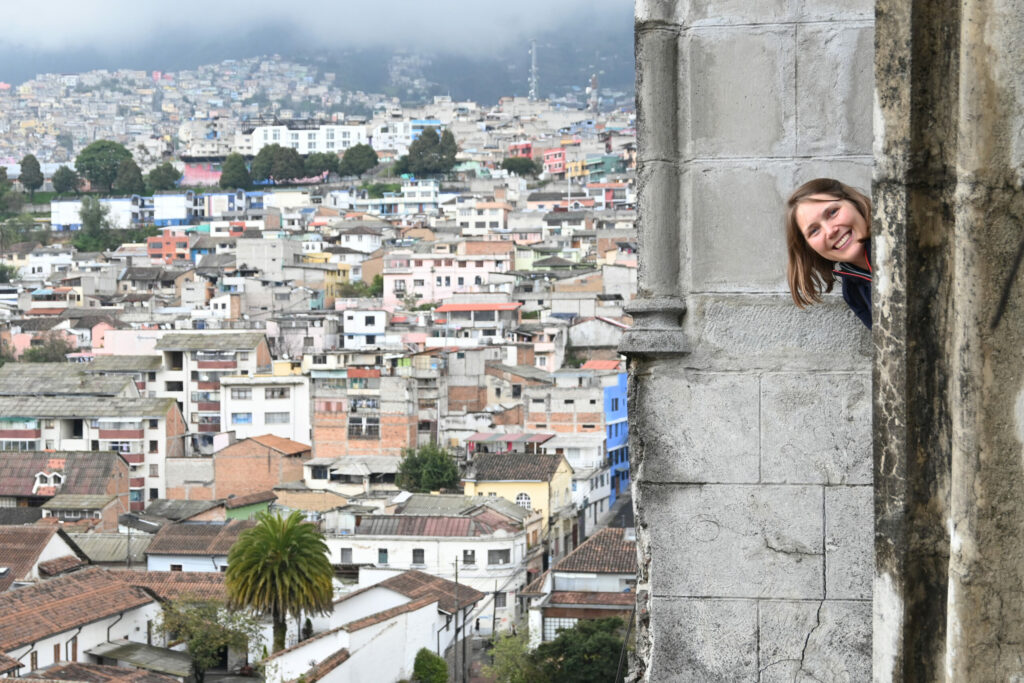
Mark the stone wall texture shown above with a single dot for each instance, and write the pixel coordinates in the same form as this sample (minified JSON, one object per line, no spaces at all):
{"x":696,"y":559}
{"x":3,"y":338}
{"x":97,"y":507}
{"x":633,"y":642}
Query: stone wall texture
{"x":752,"y":443}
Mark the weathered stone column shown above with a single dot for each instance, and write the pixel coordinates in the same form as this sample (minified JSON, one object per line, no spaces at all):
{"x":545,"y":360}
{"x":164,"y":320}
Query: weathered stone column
{"x":949,"y":370}
{"x":751,"y":446}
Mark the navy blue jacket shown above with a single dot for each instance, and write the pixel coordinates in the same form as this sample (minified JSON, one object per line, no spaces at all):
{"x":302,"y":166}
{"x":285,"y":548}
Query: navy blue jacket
{"x":857,"y":287}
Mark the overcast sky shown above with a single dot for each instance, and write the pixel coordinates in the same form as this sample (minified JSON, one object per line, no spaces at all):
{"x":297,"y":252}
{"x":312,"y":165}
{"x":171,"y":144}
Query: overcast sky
{"x":106,"y":26}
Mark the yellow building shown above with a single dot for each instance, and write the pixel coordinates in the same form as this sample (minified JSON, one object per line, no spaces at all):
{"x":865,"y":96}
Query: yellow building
{"x":538,"y":482}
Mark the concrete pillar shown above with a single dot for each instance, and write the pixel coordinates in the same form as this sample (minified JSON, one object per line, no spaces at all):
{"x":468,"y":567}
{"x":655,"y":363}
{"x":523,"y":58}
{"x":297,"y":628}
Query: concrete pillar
{"x":949,"y":372}
{"x":751,"y":451}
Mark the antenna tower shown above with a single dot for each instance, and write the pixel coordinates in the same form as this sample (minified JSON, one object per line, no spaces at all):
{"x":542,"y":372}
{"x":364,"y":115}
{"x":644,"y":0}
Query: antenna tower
{"x":533,"y":70}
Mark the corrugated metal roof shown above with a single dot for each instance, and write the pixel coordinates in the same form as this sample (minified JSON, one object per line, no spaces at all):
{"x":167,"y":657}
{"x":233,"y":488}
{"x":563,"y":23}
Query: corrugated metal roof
{"x":84,"y":406}
{"x":103,"y":548}
{"x":117,"y":363}
{"x":211,"y":341}
{"x":72,"y":501}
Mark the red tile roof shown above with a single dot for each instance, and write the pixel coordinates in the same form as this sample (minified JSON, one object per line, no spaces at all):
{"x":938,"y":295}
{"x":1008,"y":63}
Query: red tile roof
{"x":35,"y":612}
{"x":20,"y":547}
{"x":279,"y":443}
{"x":171,"y":585}
{"x":513,"y":467}
{"x":602,"y":365}
{"x":61,"y":565}
{"x":414,"y":584}
{"x":249,"y":499}
{"x":606,"y":552}
{"x":185,"y":538}
{"x":480,"y":306}
{"x":98,"y":673}
{"x":8,"y":664}
{"x":584,"y":598}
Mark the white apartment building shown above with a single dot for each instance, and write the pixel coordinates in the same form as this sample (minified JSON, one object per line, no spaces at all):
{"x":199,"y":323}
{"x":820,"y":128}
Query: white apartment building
{"x":145,"y":431}
{"x":306,"y":137}
{"x":364,"y":328}
{"x":489,"y":549}
{"x":266,"y":404}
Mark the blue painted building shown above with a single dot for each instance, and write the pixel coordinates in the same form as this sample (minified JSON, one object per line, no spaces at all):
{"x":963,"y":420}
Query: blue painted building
{"x":616,"y":424}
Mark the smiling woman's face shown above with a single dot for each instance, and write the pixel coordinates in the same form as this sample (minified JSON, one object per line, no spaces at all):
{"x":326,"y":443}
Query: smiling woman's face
{"x":833,"y":228}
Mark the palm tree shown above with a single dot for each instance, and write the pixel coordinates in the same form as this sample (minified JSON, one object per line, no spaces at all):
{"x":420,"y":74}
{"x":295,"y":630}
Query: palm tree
{"x":280,"y":567}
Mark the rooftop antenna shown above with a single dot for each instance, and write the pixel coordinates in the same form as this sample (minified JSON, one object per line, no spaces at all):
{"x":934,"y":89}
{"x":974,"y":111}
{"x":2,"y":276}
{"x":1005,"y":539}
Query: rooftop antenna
{"x":533,"y":70}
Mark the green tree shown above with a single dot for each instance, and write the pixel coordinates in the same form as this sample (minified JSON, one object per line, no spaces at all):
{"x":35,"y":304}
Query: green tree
{"x":377,"y":285}
{"x":31,"y":177}
{"x":318,"y":162}
{"x":100,"y":162}
{"x":280,"y":567}
{"x":163,"y":177}
{"x":448,"y":150}
{"x":427,"y":468}
{"x":10,"y":201}
{"x":277,"y":163}
{"x":511,"y":660}
{"x":66,"y":140}
{"x":521,"y":166}
{"x":207,"y":627}
{"x":53,"y":347}
{"x":377,"y":190}
{"x":65,"y":180}
{"x":7,"y":273}
{"x":589,"y":651}
{"x":429,"y":668}
{"x":234,"y":174}
{"x":129,"y":178}
{"x":357,"y":160}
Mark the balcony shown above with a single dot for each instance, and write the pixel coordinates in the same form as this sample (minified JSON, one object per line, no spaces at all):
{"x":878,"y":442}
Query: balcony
{"x":208,"y":428}
{"x":208,"y":406}
{"x":138,"y":505}
{"x":216,"y":364}
{"x":137,"y":482}
{"x":20,"y":433}
{"x":134,"y":458}
{"x":121,"y":434}
{"x":206,"y":386}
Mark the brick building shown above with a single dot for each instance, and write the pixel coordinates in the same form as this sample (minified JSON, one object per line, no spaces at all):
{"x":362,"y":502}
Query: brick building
{"x":365,"y":413}
{"x":258,"y":464}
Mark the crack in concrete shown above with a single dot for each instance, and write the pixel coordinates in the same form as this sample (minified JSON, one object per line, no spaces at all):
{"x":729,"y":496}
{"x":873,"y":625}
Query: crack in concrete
{"x":807,"y":640}
{"x":791,"y":551}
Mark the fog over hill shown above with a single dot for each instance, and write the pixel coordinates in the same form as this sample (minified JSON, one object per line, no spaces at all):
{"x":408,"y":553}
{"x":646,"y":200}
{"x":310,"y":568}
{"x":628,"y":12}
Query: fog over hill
{"x":468,"y":50}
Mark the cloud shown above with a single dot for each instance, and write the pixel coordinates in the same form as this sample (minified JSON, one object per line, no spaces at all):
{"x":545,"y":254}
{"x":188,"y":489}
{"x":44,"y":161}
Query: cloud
{"x":463,"y":26}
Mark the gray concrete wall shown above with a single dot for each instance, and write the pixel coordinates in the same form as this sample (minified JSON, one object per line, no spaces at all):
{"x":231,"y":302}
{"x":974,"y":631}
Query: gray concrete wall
{"x":752,"y":446}
{"x":949,"y":374}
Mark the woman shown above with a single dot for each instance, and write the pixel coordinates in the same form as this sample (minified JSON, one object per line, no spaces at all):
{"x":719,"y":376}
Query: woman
{"x":828,"y":234}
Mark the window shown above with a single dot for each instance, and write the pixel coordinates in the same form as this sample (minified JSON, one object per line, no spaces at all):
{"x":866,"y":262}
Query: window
{"x":553,"y":625}
{"x":276,"y":392}
{"x":369,"y":320}
{"x":241,"y":418}
{"x":363,"y":427}
{"x":318,"y":472}
{"x":154,"y":470}
{"x":243,"y":355}
{"x":498,"y":556}
{"x":469,"y":556}
{"x":417,"y":556}
{"x":154,"y":494}
{"x":277,"y":418}
{"x":523,"y":501}
{"x":153,"y":446}
{"x":588,"y":426}
{"x":175,"y":567}
{"x":499,"y":599}
{"x":615,"y":404}
{"x":242,"y":394}
{"x":517,"y":390}
{"x":382,"y":555}
{"x":319,"y":360}
{"x":153,"y":422}
{"x":346,"y":556}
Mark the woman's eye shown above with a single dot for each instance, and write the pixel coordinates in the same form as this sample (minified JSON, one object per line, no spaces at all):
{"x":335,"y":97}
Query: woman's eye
{"x":833,"y":211}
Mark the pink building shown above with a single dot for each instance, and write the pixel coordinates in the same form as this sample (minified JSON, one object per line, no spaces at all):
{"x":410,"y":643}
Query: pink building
{"x":435,"y":276}
{"x":554,"y":161}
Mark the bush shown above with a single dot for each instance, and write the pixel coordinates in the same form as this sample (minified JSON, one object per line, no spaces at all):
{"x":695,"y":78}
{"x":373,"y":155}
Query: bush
{"x":429,"y":668}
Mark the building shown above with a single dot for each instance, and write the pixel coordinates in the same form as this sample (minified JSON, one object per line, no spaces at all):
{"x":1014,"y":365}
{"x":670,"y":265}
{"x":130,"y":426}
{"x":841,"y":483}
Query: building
{"x":257,"y":464}
{"x":594,"y":581}
{"x":541,"y":482}
{"x":194,"y":546}
{"x":276,"y":404}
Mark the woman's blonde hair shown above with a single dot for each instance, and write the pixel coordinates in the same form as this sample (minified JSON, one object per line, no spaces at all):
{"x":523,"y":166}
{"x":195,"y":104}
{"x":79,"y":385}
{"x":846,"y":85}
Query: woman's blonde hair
{"x":810,"y":274}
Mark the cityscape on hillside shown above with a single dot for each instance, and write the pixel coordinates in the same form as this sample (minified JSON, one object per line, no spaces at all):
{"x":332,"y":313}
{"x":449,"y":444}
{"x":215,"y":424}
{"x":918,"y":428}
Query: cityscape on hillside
{"x":240,"y":301}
